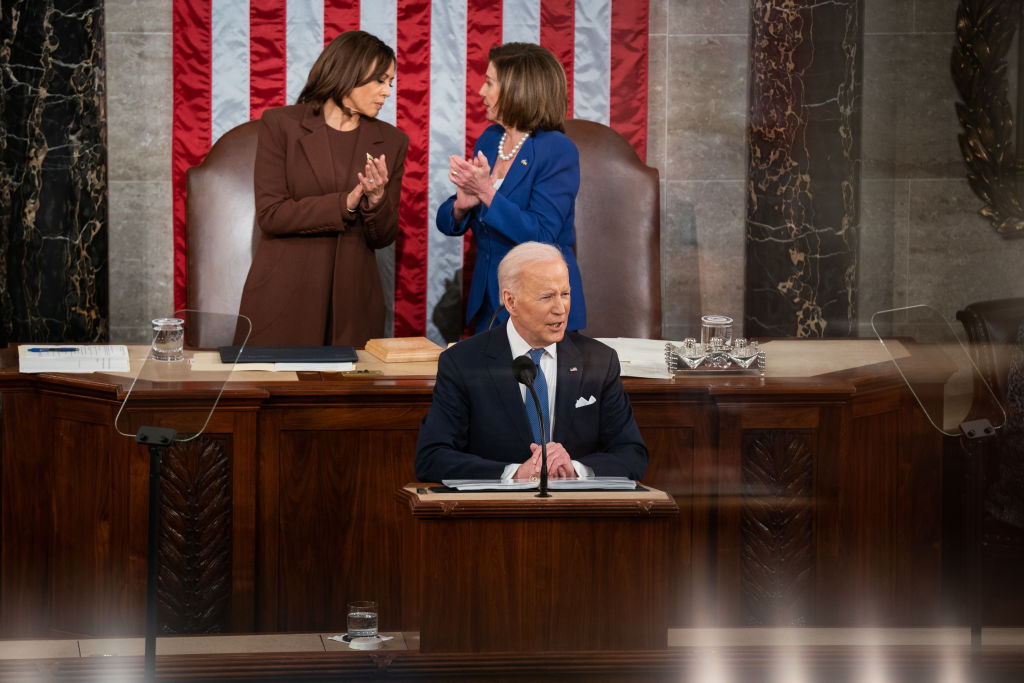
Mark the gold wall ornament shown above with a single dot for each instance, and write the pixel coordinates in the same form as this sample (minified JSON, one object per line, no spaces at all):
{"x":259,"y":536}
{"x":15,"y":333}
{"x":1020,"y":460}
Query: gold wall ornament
{"x":984,"y":34}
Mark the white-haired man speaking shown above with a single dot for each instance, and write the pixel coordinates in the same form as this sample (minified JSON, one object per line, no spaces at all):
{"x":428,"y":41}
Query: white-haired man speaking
{"x":483,"y":425}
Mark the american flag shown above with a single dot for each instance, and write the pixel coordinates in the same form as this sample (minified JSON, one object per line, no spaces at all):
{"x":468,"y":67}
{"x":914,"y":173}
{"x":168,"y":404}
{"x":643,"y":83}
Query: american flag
{"x":233,"y":59}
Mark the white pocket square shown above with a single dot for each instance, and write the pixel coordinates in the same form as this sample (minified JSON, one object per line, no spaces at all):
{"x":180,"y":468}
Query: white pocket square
{"x":580,"y":402}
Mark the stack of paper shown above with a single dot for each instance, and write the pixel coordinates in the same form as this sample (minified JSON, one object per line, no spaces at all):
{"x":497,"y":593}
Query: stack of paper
{"x":34,"y":358}
{"x":489,"y":484}
{"x":640,"y":357}
{"x":592,"y":483}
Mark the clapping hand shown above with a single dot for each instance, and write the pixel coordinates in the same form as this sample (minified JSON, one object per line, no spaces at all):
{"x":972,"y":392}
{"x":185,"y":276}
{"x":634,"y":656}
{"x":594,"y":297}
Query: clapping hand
{"x":372,"y":183}
{"x":472,"y":179}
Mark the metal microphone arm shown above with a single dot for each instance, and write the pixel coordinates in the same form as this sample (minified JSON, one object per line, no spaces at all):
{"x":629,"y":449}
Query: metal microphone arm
{"x":543,"y":445}
{"x":525,"y":371}
{"x":494,"y":316}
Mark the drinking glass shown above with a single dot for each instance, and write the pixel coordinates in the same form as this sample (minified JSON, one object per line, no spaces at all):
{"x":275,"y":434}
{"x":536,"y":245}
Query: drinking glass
{"x":168,"y":339}
{"x":362,"y":619}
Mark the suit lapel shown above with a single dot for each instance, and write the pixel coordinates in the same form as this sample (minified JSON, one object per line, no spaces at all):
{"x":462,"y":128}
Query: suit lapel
{"x":570,"y":379}
{"x":520,"y":168}
{"x":506,"y":388}
{"x":371,"y":141}
{"x":317,"y":147}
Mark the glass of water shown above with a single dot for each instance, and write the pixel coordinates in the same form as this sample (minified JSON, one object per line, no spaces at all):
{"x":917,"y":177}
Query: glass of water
{"x":362,"y":619}
{"x":168,"y":339}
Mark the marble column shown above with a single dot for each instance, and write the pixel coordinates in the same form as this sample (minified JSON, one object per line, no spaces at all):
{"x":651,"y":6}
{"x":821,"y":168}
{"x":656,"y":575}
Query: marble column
{"x":803,"y":172}
{"x":53,"y":172}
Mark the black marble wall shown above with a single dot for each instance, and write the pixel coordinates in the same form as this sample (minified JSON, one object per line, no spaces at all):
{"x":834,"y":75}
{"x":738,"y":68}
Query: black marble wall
{"x":53,"y":172}
{"x":803,"y":171}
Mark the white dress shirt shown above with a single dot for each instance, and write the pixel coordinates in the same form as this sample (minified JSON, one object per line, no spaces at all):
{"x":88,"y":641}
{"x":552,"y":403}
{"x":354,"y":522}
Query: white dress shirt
{"x":549,"y":366}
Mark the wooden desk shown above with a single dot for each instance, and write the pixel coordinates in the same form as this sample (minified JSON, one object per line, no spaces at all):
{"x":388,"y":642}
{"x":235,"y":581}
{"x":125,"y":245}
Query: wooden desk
{"x":510,"y":572}
{"x":808,"y":497}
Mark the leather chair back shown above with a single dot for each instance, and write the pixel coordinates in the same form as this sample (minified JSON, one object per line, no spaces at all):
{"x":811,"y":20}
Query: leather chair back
{"x":618,"y":234}
{"x":991,"y":328}
{"x":221,"y":233}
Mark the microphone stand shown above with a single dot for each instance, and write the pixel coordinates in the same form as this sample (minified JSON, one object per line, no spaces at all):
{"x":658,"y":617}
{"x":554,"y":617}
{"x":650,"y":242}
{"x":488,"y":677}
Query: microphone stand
{"x":157,"y":439}
{"x":543,"y":446}
{"x":524,"y":370}
{"x":976,"y":446}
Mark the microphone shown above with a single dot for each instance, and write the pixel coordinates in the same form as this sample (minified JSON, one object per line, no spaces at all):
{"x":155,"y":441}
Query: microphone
{"x":494,"y":316}
{"x":525,"y":372}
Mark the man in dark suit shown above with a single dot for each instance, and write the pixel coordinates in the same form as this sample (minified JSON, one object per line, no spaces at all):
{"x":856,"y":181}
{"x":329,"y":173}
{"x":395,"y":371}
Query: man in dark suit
{"x":478,"y":425}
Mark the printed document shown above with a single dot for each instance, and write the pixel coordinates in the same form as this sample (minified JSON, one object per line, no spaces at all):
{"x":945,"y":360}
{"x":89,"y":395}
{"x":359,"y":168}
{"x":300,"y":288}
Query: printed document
{"x":589,"y":484}
{"x":35,"y":358}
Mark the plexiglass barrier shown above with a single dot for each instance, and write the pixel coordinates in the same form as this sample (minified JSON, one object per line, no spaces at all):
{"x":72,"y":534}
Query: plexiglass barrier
{"x":200,"y":373}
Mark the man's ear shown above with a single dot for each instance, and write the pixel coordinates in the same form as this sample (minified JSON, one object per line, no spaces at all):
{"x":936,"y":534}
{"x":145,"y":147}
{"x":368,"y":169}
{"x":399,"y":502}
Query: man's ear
{"x":508,"y":299}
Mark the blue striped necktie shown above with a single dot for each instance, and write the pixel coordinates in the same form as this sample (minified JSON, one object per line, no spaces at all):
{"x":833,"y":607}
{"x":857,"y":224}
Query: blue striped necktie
{"x":540,"y":385}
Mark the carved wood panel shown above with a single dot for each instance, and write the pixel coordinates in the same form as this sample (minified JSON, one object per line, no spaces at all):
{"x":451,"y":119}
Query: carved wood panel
{"x":990,"y":142}
{"x":777,"y":528}
{"x":194,"y":587}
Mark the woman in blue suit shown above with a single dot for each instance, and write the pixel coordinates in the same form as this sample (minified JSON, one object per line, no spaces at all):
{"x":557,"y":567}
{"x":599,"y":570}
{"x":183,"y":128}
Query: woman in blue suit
{"x":521,"y":183}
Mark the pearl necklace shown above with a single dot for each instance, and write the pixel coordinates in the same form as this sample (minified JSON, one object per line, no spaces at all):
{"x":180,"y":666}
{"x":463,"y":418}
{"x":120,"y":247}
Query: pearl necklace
{"x":512,"y":154}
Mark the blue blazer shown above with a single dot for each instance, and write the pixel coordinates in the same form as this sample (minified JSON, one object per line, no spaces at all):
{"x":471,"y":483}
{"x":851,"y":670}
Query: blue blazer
{"x":477,"y":422}
{"x":535,"y":203}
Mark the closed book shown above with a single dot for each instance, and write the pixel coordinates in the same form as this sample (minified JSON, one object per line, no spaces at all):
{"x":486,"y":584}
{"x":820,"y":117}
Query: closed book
{"x":404,"y":349}
{"x":288,"y":354}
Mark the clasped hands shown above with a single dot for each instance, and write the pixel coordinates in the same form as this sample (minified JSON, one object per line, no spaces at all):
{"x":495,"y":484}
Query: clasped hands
{"x":372,"y":183}
{"x":559,"y":463}
{"x":472,"y":179}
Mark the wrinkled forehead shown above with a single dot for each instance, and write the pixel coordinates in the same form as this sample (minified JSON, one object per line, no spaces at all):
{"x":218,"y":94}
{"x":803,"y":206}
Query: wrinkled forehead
{"x":545,"y":275}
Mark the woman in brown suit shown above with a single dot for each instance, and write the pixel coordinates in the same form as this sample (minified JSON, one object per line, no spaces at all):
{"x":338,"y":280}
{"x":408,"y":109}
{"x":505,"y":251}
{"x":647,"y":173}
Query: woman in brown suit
{"x":328,"y":179}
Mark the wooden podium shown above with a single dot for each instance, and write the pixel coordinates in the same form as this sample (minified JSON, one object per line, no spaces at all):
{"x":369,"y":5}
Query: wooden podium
{"x":513,"y":572}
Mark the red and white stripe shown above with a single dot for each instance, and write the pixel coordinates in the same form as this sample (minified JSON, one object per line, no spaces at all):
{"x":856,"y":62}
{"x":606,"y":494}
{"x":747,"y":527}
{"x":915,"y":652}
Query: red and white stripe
{"x":234,"y":59}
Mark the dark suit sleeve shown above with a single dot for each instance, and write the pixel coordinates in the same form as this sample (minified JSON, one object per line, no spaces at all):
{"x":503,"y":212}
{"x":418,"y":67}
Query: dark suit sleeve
{"x":277,"y":211}
{"x":622,"y":452}
{"x":444,"y":432}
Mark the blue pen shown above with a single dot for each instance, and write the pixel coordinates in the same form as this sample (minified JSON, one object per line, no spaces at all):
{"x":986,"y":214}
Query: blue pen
{"x":58,"y":349}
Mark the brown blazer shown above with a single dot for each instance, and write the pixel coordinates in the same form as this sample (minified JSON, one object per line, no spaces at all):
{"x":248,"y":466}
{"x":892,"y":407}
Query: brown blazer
{"x":314,"y":278}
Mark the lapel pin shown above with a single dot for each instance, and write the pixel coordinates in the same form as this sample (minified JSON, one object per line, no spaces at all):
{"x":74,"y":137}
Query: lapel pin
{"x":523,"y":162}
{"x":572,"y":369}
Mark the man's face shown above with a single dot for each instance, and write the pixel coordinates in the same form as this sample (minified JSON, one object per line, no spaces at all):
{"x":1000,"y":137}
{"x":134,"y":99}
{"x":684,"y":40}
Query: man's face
{"x":540,"y":309}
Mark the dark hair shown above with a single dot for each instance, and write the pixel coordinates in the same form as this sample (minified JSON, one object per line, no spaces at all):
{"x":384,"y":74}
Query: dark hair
{"x":344,"y":65}
{"x":532,"y":91}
